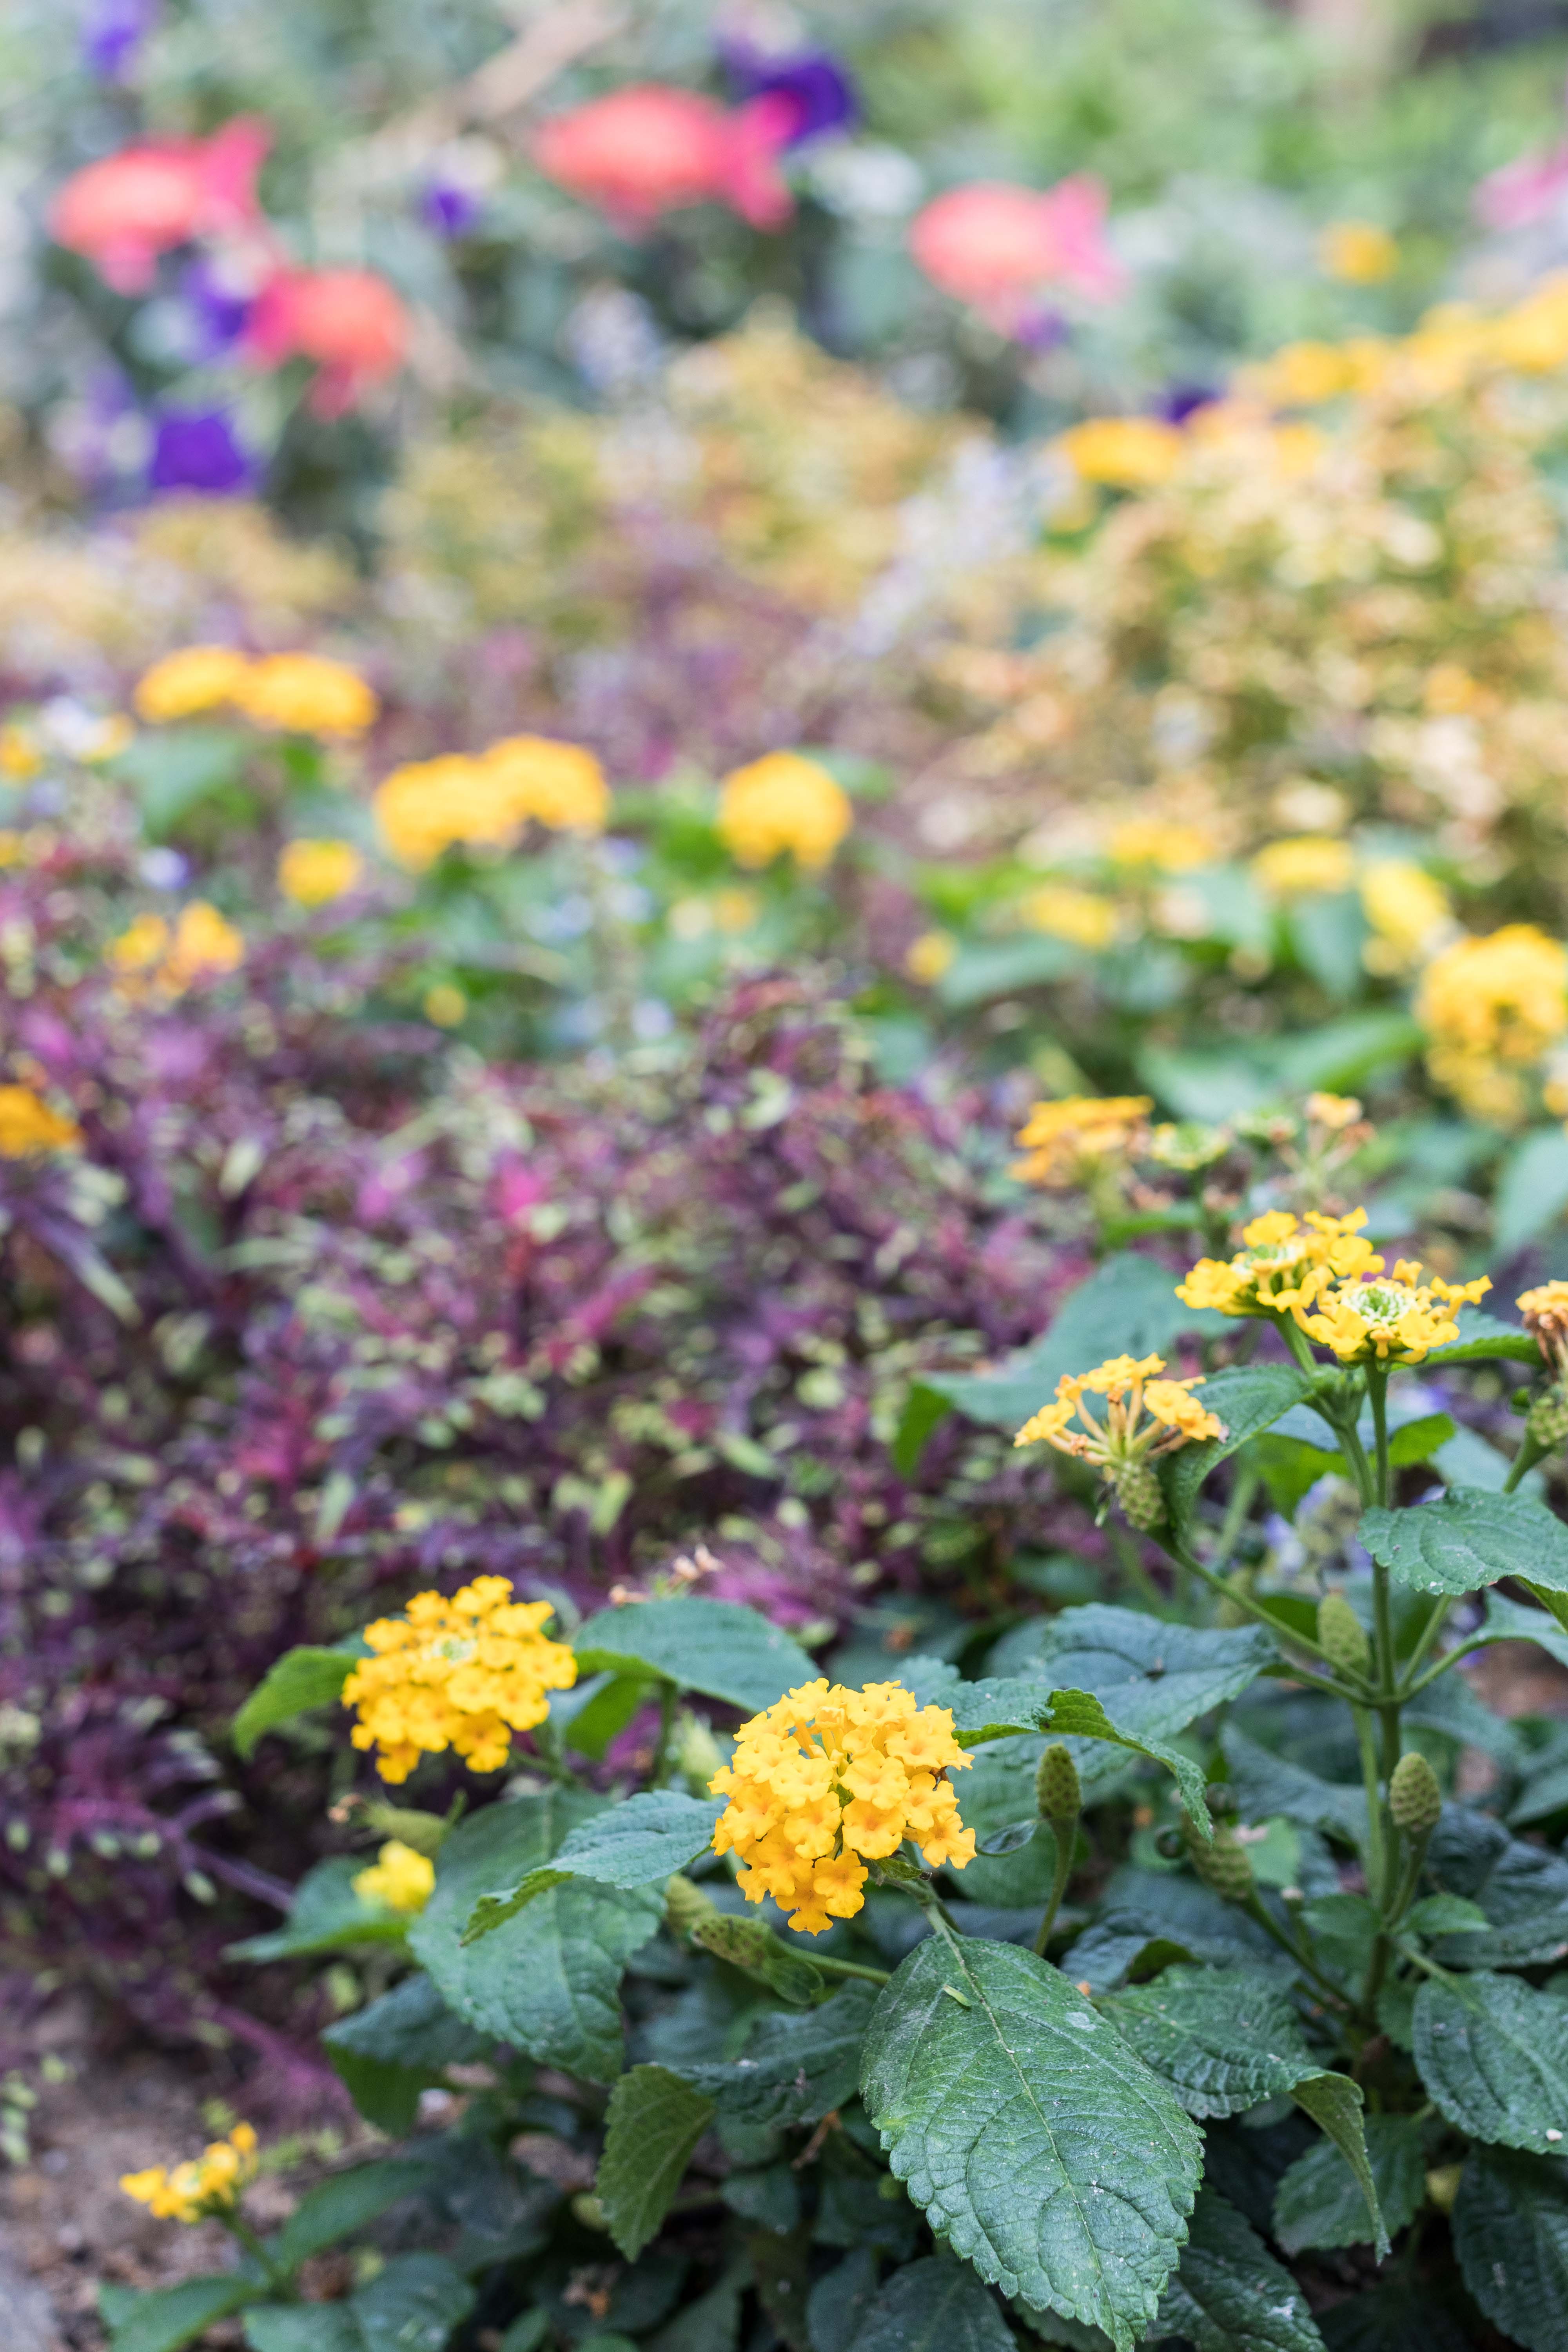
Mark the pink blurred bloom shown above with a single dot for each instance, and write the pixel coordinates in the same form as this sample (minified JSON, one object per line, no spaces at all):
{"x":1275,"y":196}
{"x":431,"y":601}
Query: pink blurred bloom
{"x":123,"y":212}
{"x":653,"y":149}
{"x":997,"y":246}
{"x":1523,"y":192}
{"x":350,"y":322}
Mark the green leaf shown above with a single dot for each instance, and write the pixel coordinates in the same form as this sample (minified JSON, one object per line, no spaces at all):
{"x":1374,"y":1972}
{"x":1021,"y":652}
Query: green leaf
{"x":1511,"y":2235}
{"x":412,"y":2305}
{"x":1532,"y":1190}
{"x":1511,"y":1621}
{"x":1466,"y":1539}
{"x":1522,"y":1888}
{"x":1035,"y":2139}
{"x":292,"y":1685}
{"x":1229,"y":2295}
{"x":1444,"y":1915}
{"x":1267,"y":1784}
{"x":718,"y":1647}
{"x":1153,"y":1678}
{"x":1249,"y":1399}
{"x":645,"y":1838}
{"x":654,"y":2122}
{"x":1418,"y":1440}
{"x":171,"y":2317}
{"x":1493,"y":2053}
{"x":389,"y":2052}
{"x":340,"y":2206}
{"x":838,"y":2304}
{"x":711,"y":2324}
{"x":1322,"y":2201}
{"x":1393,"y":2315}
{"x":327,"y":1916}
{"x":596,"y":1711}
{"x":548,"y":1980}
{"x":173,"y":771}
{"x":792,"y":2069}
{"x":1078,"y":1714}
{"x":976,"y":974}
{"x":1483,"y":1338}
{"x":1223,"y":2039}
{"x":934,"y":2306}
{"x":923,"y":1412}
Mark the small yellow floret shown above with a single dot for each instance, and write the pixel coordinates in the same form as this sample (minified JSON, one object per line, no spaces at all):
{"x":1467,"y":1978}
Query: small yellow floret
{"x":306,"y":694}
{"x":199,"y":677}
{"x":559,"y":784}
{"x":1161,"y":843}
{"x":1068,"y":1141}
{"x":1080,"y":916}
{"x":930,"y":956}
{"x":209,"y":2183}
{"x":1124,"y":453}
{"x":399,"y":1877}
{"x":1358,"y":252}
{"x":1491,"y":1007}
{"x":783,"y":803}
{"x":1282,"y":1265}
{"x":1393,"y":1320}
{"x":463,"y":1673}
{"x":314,"y":873}
{"x":28,"y":1127}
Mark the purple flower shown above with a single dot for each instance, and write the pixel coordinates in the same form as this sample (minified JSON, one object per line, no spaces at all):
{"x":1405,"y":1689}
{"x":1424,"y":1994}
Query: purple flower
{"x":220,"y":311}
{"x":1180,"y":401}
{"x":822,"y":93}
{"x":195,"y":449}
{"x":113,"y":32}
{"x":450,"y":206}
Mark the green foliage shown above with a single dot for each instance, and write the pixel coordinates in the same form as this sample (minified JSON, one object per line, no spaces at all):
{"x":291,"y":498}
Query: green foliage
{"x":1335,"y":2103}
{"x":936,"y":2305}
{"x":171,"y":2317}
{"x":1229,"y":2295}
{"x":1223,"y":2039}
{"x":412,"y":2305}
{"x":1511,"y":2235}
{"x":1322,"y":2199}
{"x":327,"y":1916}
{"x":714,"y":1647}
{"x":1493,"y":2053}
{"x":390,"y":2051}
{"x":1468,"y":1539}
{"x":299,"y":1681}
{"x":653,"y":2123}
{"x":647,"y":1837}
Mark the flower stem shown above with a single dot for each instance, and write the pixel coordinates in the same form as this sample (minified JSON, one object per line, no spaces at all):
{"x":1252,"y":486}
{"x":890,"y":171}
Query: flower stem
{"x":669,"y":1699}
{"x":1528,"y":1455}
{"x":1064,"y":1833}
{"x":835,"y":1968}
{"x":278,"y":2279}
{"x":1377,"y":1396}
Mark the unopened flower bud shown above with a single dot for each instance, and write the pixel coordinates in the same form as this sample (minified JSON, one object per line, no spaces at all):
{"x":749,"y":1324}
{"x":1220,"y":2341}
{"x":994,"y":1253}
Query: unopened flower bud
{"x":1225,"y":1867}
{"x":1415,"y":1800}
{"x":1057,"y":1790}
{"x":1343,"y":1635}
{"x":1548,"y":1421}
{"x":686,"y":1907}
{"x":1138,"y":1492}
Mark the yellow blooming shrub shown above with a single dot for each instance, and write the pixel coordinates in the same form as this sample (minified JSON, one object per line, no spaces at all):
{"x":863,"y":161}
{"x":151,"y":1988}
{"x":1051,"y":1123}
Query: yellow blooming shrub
{"x":1284,"y":1262}
{"x":1397,"y":1319}
{"x":1123,"y":452}
{"x":28,"y":1127}
{"x":782,"y":803}
{"x":399,"y":1877}
{"x":559,"y":784}
{"x":198,"y":678}
{"x":1408,"y":909}
{"x":1491,"y":1007}
{"x":205,"y":2184}
{"x":1067,"y":1140}
{"x":463,"y":1673}
{"x":314,"y":873}
{"x":306,"y":694}
{"x":484,"y":800}
{"x":830,"y":1779}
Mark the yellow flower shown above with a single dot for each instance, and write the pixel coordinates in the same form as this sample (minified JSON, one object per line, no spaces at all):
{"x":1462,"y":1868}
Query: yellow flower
{"x":1407,"y":908}
{"x":1068,"y":1141}
{"x":559,"y":784}
{"x":305,"y":694}
{"x":1080,"y":916}
{"x":1358,"y":252}
{"x":424,"y":807}
{"x":735,"y":909}
{"x":1125,"y":453}
{"x":829,"y":1778}
{"x":1335,"y":1112}
{"x":399,"y":1877}
{"x":783,"y":801}
{"x":1167,"y":846}
{"x":20,"y":758}
{"x":139,"y":946}
{"x":1300,"y":376}
{"x":203,"y":945}
{"x":11,"y":850}
{"x":1282,"y":1265}
{"x":197,"y":679}
{"x":27,"y":1125}
{"x":1305,"y":866}
{"x":208,"y":2183}
{"x":1145,"y":1418}
{"x":1545,"y":1313}
{"x":446,"y":1003}
{"x":930,"y":956}
{"x":1491,"y":1007}
{"x":463,"y":1673}
{"x":314,"y":873}
{"x":1393,"y":1319}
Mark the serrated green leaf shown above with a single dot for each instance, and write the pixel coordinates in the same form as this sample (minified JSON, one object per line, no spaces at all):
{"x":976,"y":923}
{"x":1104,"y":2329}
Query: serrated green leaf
{"x":1493,"y":2053}
{"x":654,"y":2122}
{"x":1036,"y":2141}
{"x":1522,"y":1888}
{"x":548,"y":1980}
{"x":1444,"y":1915}
{"x":1511,"y":1621}
{"x":645,"y":1838}
{"x":1153,"y":1678}
{"x":792,"y":2069}
{"x":348,"y":2202}
{"x":390,"y":2050}
{"x":1229,"y":2295}
{"x":718,"y":1647}
{"x":1223,"y":2039}
{"x":1322,"y":2202}
{"x":1249,"y":1399}
{"x":1418,"y":1440}
{"x":327,"y":1916}
{"x":1484,"y":1338}
{"x":293,"y":1684}
{"x":1511,"y":2235}
{"x":171,"y":2317}
{"x":934,"y":2306}
{"x":1334,"y":2104}
{"x":412,"y":2305}
{"x":1078,"y":1714}
{"x":1466,"y":1539}
{"x":1267,"y":1784}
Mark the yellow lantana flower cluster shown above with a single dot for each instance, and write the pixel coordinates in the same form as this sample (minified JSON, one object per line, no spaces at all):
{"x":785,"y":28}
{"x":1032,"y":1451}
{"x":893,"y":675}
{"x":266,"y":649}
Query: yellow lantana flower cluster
{"x":1309,"y":865}
{"x":300,"y":694}
{"x":1491,"y":1008}
{"x":1083,"y":918}
{"x":1284,"y":1262}
{"x":485,"y":799}
{"x":463,"y":1673}
{"x":399,"y":1877}
{"x":313,"y":873}
{"x":829,"y":1778}
{"x":28,"y":1127}
{"x":205,"y":2184}
{"x":782,"y":803}
{"x":1124,"y":453}
{"x":1145,"y":1417}
{"x":1408,"y":909}
{"x":202,"y":945}
{"x":1069,"y":1140}
{"x":1393,"y":1320}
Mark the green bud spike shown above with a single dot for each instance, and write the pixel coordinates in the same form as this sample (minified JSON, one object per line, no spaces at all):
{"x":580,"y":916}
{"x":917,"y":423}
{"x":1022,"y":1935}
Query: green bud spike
{"x":1225,"y":1867}
{"x":686,"y":1907}
{"x":1344,"y":1636}
{"x":1548,"y":1421}
{"x":1057,"y":1790}
{"x":1138,"y":1492}
{"x":744,"y":1943}
{"x":1415,"y":1800}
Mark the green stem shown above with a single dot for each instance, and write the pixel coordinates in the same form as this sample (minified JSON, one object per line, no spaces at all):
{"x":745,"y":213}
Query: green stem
{"x":1235,"y":1519}
{"x":1377,"y":1868}
{"x":1414,"y":1690}
{"x":1528,"y":1455}
{"x":278,"y":2279}
{"x":1429,"y":1633}
{"x":1255,"y":1908}
{"x":1179,"y":1552}
{"x":1066,"y":1836}
{"x":1296,"y":1339}
{"x":834,"y":1967}
{"x":669,"y":1699}
{"x":1377,"y":1396}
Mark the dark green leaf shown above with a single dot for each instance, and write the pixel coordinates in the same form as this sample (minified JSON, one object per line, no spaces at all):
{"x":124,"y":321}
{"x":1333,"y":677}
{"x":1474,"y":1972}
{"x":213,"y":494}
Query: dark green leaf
{"x":348,"y":2202}
{"x":1223,"y":2039}
{"x":1483,"y":1338}
{"x":548,"y":1980}
{"x":793,"y":2069}
{"x":1077,"y":1715}
{"x":1153,"y":1678}
{"x":1532,"y":1190}
{"x":1511,"y":2235}
{"x":1443,"y":1914}
{"x":1145,"y":1912}
{"x":596,"y":1711}
{"x":1334,"y":2102}
{"x":645,"y":1838}
{"x":924,"y":1410}
{"x":711,"y":2324}
{"x":1249,"y":1399}
{"x":173,"y":771}
{"x":935,"y":2305}
{"x":389,"y":2052}
{"x":1036,"y":2141}
{"x":412,"y":2305}
{"x":836,"y":2311}
{"x":1493,"y":2053}
{"x":327,"y":1916}
{"x":1392,"y":2316}
{"x":1320,"y":2202}
{"x":1522,"y":1889}
{"x":654,"y":2122}
{"x":1511,"y":1621}
{"x":171,"y":2317}
{"x":293,"y":1684}
{"x":1267,"y":1784}
{"x":1468,"y":1538}
{"x":1229,"y":2293}
{"x":1418,"y":1440}
{"x":717,"y":1647}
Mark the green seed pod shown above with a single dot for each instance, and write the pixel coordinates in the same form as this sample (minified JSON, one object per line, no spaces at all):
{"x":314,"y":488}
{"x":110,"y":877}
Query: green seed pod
{"x":1415,"y":1800}
{"x":1548,"y":1421}
{"x":686,"y":1907}
{"x":1344,"y":1635}
{"x":1057,"y":1790}
{"x":1225,"y":1866}
{"x":1138,"y":1492}
{"x":745,"y":1943}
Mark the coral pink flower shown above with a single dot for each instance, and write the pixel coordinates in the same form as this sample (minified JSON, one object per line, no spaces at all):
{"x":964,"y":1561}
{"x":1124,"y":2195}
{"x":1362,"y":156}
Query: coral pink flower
{"x":652,"y":149}
{"x":999,"y":247}
{"x":123,"y":212}
{"x":349,"y":322}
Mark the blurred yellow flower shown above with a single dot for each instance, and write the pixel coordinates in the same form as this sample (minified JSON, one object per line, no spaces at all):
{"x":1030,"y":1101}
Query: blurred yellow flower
{"x":1307,"y":867}
{"x":1124,"y":453}
{"x":208,"y":2183}
{"x":1300,"y":376}
{"x":198,"y":678}
{"x":20,"y":758}
{"x":201,"y":945}
{"x":305,"y":694}
{"x":424,"y":807}
{"x":27,"y":1125}
{"x":463,"y":1673}
{"x":1162,"y":843}
{"x":561,"y":784}
{"x":1358,"y":251}
{"x":1408,"y":910}
{"x":313,"y":873}
{"x":399,"y":1877}
{"x":1069,"y":1140}
{"x":11,"y":850}
{"x":1491,"y":1007}
{"x":930,"y":956}
{"x":735,"y":909}
{"x":446,"y":1005}
{"x":1080,"y":916}
{"x":783,"y":801}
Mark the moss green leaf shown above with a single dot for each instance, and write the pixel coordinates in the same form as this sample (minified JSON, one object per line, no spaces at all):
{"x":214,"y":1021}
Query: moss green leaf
{"x":293,"y":1684}
{"x":1511,"y":2235}
{"x":1223,"y":2039}
{"x":1493,"y":2053}
{"x":171,"y":2317}
{"x":718,"y":1647}
{"x":1334,"y":2102}
{"x":1321,"y":2203}
{"x":654,"y":2122}
{"x":1229,"y":2295}
{"x":1468,"y":1538}
{"x":934,"y":2306}
{"x":645,"y":1838}
{"x":393,"y":2049}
